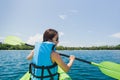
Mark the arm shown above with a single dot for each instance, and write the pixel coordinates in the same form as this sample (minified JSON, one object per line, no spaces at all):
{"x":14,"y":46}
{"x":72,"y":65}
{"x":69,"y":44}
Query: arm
{"x":29,"y":57}
{"x":72,"y":58}
{"x":56,"y":58}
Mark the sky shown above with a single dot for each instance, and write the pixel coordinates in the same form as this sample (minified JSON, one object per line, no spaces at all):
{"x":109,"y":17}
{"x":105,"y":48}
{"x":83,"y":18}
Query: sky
{"x":79,"y":22}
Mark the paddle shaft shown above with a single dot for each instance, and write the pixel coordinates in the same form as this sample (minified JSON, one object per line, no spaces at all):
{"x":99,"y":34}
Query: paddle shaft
{"x":76,"y":58}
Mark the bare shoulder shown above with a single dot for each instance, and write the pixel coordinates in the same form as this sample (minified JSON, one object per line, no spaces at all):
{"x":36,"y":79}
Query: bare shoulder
{"x":55,"y":54}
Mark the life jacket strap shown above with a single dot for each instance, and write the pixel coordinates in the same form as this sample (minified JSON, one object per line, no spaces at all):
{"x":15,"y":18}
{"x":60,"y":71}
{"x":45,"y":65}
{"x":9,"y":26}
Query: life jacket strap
{"x":32,"y":72}
{"x":53,"y":47}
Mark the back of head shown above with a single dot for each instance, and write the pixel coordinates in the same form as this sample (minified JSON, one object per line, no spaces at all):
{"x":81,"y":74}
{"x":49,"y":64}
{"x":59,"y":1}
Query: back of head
{"x":49,"y":34}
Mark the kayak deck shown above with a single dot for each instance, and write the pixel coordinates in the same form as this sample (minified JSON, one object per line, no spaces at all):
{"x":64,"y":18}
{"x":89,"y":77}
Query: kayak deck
{"x":63,"y":75}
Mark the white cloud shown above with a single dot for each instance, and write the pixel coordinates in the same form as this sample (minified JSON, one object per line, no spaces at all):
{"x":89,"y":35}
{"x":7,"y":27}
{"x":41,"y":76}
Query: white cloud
{"x":2,"y":39}
{"x":116,"y":35}
{"x":38,"y":38}
{"x":68,"y":13}
{"x":35,"y":38}
{"x":62,"y":16}
{"x":61,"y":34}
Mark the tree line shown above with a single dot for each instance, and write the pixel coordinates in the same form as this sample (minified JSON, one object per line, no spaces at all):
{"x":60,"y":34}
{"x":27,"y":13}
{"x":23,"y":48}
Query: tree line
{"x":15,"y":47}
{"x":25,"y":47}
{"x":106,"y":47}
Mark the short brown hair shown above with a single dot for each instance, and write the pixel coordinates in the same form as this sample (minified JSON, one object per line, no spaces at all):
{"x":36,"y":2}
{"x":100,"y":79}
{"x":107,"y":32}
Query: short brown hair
{"x":49,"y":34}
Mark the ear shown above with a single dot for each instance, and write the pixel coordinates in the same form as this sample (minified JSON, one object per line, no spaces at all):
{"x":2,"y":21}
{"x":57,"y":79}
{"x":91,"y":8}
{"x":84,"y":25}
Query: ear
{"x":53,"y":39}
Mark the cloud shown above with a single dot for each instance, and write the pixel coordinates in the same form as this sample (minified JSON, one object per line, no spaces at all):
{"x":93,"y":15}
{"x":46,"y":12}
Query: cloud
{"x":61,"y":34}
{"x":62,"y":17}
{"x":68,"y":14}
{"x":35,"y":38}
{"x":116,"y":35}
{"x":38,"y":38}
{"x":2,"y":39}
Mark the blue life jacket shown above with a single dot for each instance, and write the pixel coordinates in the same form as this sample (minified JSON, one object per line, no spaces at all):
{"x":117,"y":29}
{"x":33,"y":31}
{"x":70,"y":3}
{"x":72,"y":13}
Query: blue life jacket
{"x":42,"y":67}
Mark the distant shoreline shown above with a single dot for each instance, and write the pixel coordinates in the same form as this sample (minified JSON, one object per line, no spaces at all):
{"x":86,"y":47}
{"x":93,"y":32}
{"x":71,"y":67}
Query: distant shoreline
{"x":25,"y":47}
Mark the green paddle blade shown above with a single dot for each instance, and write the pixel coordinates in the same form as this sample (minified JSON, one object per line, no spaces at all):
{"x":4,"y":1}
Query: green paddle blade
{"x":109,"y":68}
{"x":13,"y":40}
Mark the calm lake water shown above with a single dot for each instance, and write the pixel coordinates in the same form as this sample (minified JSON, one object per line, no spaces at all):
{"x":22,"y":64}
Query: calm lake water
{"x":13,"y":63}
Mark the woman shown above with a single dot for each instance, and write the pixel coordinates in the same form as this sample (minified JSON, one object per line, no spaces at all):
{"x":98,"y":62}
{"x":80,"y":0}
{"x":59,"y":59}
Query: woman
{"x":44,"y":55}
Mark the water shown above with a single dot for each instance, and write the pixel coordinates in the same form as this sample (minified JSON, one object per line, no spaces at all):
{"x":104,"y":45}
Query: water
{"x":13,"y":63}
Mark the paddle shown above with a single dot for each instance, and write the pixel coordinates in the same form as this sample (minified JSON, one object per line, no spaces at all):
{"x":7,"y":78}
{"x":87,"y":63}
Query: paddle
{"x":13,"y":40}
{"x":108,"y":68}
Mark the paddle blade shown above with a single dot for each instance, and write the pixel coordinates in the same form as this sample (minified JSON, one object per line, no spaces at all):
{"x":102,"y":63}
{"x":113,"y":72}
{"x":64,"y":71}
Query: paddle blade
{"x":13,"y":40}
{"x":109,"y":68}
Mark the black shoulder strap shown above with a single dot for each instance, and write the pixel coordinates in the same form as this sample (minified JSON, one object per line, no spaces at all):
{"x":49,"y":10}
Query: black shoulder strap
{"x":53,"y":47}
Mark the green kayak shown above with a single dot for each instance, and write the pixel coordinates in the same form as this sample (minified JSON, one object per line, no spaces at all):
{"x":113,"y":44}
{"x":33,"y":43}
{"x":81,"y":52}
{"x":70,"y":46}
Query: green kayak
{"x":63,"y":75}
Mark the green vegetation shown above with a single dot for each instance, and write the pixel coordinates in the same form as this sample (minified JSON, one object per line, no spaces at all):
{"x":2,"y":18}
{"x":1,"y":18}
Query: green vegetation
{"x":14,"y":47}
{"x":25,"y":47}
{"x":90,"y":48}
